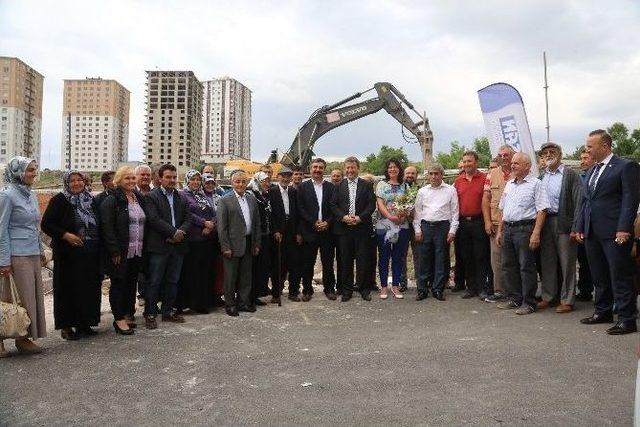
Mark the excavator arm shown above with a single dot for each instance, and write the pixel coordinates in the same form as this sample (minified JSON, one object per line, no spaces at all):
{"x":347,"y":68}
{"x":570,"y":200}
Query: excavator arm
{"x":330,"y":117}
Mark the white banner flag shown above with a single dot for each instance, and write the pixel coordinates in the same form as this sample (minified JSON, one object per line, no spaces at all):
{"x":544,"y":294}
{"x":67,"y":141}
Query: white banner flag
{"x":506,"y":121}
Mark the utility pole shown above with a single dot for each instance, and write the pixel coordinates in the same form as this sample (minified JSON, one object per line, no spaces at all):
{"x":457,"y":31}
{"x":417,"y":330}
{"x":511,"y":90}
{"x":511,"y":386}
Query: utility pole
{"x":546,"y":93}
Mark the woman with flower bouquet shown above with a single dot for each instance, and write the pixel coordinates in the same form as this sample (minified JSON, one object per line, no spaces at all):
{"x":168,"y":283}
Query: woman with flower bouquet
{"x":394,"y":201}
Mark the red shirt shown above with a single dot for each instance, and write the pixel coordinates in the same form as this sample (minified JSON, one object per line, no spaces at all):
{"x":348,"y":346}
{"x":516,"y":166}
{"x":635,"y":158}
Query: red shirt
{"x":470,"y":193}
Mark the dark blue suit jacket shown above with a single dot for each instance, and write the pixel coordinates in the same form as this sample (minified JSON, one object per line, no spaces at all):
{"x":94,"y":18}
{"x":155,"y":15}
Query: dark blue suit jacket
{"x":613,"y":205}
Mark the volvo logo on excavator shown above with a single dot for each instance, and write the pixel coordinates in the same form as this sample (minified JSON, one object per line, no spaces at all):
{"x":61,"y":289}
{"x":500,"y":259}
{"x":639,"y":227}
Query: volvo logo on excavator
{"x":354,"y":111}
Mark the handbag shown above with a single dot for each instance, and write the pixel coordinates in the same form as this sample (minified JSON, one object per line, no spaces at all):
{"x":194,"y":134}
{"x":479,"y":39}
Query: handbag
{"x":14,"y":319}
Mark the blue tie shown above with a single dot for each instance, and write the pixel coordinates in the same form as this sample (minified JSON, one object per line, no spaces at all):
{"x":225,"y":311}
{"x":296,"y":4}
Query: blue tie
{"x":594,"y":178}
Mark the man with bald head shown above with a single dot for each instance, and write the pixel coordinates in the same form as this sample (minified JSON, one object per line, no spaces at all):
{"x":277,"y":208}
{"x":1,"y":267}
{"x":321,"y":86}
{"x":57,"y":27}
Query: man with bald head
{"x":523,"y":205}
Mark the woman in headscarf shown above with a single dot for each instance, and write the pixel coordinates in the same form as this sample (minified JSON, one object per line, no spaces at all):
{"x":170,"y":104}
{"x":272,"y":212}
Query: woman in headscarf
{"x":72,"y":222}
{"x":213,"y":193}
{"x":122,"y":220}
{"x":198,"y":269}
{"x":21,"y":252}
{"x":261,"y":269}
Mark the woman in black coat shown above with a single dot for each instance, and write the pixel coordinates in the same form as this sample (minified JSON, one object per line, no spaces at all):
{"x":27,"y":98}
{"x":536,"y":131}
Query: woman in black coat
{"x":71,"y":221}
{"x":123,"y":219}
{"x":261,"y":266}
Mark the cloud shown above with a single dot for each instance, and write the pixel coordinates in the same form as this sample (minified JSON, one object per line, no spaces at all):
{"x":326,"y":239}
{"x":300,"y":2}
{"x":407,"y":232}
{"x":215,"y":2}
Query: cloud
{"x":299,"y":55}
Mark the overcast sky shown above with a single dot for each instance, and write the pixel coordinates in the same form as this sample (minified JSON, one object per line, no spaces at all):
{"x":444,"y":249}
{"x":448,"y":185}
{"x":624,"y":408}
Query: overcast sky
{"x":299,"y":55}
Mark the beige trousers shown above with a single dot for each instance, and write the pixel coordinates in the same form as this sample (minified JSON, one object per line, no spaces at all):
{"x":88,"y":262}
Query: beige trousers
{"x":27,"y":273}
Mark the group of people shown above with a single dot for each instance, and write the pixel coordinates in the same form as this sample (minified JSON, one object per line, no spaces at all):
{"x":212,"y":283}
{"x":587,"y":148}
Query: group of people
{"x":198,"y":247}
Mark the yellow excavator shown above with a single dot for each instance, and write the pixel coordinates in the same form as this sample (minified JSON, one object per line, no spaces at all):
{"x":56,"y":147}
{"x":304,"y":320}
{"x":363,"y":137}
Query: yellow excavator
{"x":329,"y":117}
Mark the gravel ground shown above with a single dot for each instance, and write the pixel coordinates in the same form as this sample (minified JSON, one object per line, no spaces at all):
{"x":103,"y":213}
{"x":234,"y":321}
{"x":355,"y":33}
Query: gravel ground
{"x":325,"y":362}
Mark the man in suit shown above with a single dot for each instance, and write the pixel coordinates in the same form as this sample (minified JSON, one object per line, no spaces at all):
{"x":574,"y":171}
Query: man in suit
{"x":314,"y":208}
{"x":167,"y":224}
{"x":239,"y":234}
{"x":352,"y":204}
{"x":605,"y":225}
{"x":585,"y":284}
{"x":284,"y":226}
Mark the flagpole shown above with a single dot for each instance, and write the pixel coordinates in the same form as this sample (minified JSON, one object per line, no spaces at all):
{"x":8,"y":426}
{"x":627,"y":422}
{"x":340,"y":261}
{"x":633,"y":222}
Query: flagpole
{"x":546,"y":93}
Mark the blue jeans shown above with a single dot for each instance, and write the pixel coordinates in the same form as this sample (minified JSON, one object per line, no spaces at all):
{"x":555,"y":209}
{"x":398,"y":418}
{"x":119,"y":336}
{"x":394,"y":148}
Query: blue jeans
{"x":164,"y":271}
{"x":396,"y":251}
{"x":434,"y":256}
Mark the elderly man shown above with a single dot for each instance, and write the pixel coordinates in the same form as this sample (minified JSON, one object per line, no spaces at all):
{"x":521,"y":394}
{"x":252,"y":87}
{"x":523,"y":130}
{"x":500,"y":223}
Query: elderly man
{"x":352,"y":204}
{"x":605,"y":225}
{"x":411,"y":179}
{"x":435,"y":223}
{"x":564,"y":191}
{"x":143,"y":179}
{"x":524,"y":204}
{"x":239,"y":234}
{"x":494,"y":186}
{"x":472,"y":240}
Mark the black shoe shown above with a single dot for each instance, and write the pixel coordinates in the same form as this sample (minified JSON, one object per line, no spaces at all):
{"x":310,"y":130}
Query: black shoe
{"x":250,"y":309}
{"x":597,"y":318}
{"x":258,"y":301}
{"x":69,"y":334}
{"x":173,"y":318}
{"x":306,"y":297}
{"x":468,"y":295}
{"x":294,"y":298}
{"x":338,"y":292}
{"x":457,"y":288}
{"x":150,"y":322}
{"x":584,"y":297}
{"x":623,"y":327}
{"x":122,"y":331}
{"x":88,"y":332}
{"x":345,"y":297}
{"x":421,"y":296}
{"x":438,"y":295}
{"x":366,"y":296}
{"x":331,"y":296}
{"x":403,"y":288}
{"x":231,"y":311}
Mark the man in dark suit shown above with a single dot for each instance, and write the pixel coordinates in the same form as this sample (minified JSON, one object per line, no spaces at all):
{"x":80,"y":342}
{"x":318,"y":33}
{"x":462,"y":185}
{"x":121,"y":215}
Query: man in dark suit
{"x":352,"y":205}
{"x":316,"y":218}
{"x":239,"y":234}
{"x":605,"y":225}
{"x":167,"y":224}
{"x":284,"y":226}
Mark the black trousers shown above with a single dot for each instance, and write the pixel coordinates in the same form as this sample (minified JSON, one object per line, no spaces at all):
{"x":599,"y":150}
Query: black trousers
{"x":473,"y":245}
{"x":261,"y":268}
{"x":612,"y":269}
{"x":324,"y":244}
{"x":337,"y":256}
{"x":585,"y":284}
{"x":356,"y":247}
{"x":288,"y":261}
{"x":122,"y":293}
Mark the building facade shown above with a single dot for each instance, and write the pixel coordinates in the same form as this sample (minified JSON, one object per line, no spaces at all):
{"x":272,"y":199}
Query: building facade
{"x":174,"y":119}
{"x":226,"y":121}
{"x":95,"y":124}
{"x":20,"y":110}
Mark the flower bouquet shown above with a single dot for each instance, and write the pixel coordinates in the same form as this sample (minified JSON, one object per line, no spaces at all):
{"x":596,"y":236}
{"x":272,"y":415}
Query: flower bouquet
{"x":404,"y":203}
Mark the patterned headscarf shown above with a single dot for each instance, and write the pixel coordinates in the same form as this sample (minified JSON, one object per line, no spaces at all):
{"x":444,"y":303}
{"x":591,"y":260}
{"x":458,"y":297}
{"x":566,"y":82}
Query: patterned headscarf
{"x":14,"y":172}
{"x":257,"y":179}
{"x":198,"y":194}
{"x":83,"y":201}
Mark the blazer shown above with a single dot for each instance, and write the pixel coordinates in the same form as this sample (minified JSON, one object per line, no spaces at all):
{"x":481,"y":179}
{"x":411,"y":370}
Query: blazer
{"x":158,"y":227}
{"x":308,"y":208}
{"x":58,"y":219}
{"x":19,"y":219}
{"x":114,"y":222}
{"x":613,"y":206}
{"x":365,"y":206}
{"x":279,"y":223}
{"x":232,"y":228}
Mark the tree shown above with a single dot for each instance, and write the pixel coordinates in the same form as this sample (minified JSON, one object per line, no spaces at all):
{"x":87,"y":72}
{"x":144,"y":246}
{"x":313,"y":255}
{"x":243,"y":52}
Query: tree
{"x":375,"y":163}
{"x":623,"y":144}
{"x":450,"y":160}
{"x":576,"y":153}
{"x":481,"y":146}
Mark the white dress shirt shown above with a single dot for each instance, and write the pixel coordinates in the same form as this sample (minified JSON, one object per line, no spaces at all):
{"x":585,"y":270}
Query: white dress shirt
{"x":436,"y":204}
{"x":317,"y":186}
{"x":246,"y":213}
{"x":284,"y":191}
{"x":604,"y":164}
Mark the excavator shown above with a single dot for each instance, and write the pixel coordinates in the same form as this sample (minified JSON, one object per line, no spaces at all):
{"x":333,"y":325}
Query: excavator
{"x":332,"y":116}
